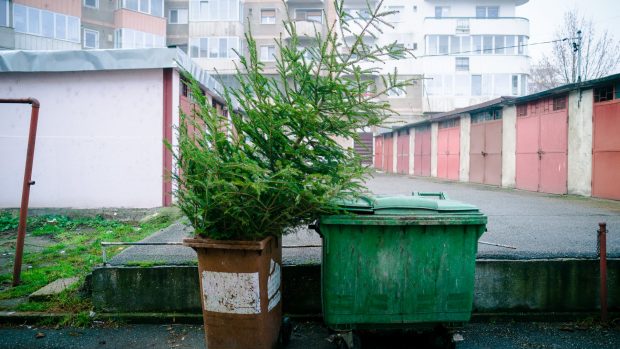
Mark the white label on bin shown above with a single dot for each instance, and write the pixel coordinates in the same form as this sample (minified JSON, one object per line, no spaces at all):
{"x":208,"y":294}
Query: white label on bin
{"x":233,"y":293}
{"x":273,"y":285}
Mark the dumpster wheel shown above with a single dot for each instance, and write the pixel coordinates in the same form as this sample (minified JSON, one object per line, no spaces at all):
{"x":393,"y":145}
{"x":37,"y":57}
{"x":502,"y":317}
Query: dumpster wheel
{"x":286,"y":329}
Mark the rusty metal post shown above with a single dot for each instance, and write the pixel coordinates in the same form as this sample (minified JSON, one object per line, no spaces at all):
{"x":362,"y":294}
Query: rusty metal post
{"x":602,"y":249}
{"x":23,"y":211}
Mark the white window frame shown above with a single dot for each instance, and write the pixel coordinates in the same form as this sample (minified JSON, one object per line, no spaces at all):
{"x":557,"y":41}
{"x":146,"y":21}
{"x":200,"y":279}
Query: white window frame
{"x":89,"y":6}
{"x":180,"y":19}
{"x":267,"y":19}
{"x":149,"y":7}
{"x":68,"y":30}
{"x":305,"y":17}
{"x":91,"y":31}
{"x":264,"y":53}
{"x":196,"y":42}
{"x":445,"y":11}
{"x":196,"y":12}
{"x":461,"y":67}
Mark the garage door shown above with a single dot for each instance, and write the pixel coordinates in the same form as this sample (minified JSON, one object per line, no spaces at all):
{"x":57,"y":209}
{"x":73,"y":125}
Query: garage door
{"x":379,"y":152}
{"x":606,"y":145}
{"x":542,"y":145}
{"x":388,"y":151}
{"x":485,"y":151}
{"x":448,"y":149}
{"x":422,"y":152}
{"x":363,"y":147}
{"x":402,"y":164}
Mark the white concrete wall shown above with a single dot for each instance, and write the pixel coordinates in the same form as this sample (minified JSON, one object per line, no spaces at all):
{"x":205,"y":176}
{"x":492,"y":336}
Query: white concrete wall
{"x":509,"y":146}
{"x":99,"y":140}
{"x":394,"y":151}
{"x":434,"y":133}
{"x":411,"y":150}
{"x":465,"y":139}
{"x":580,"y":109}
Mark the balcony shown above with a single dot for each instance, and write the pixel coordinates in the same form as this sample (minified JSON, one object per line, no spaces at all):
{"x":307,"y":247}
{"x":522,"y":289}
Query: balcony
{"x":477,"y":26}
{"x":309,"y":29}
{"x":124,"y":18}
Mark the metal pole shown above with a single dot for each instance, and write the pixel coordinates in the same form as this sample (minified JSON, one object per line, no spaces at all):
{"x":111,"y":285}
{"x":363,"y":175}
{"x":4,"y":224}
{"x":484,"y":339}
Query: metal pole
{"x":579,"y":56}
{"x":602,"y":244}
{"x":23,"y":211}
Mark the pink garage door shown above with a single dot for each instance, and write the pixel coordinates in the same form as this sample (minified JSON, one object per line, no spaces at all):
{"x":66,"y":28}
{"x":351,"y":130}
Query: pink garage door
{"x":422,"y":152}
{"x":388,"y":153}
{"x":379,"y":152}
{"x":448,"y":149}
{"x":485,"y":151}
{"x":402,"y":163}
{"x":542,"y":145}
{"x":606,"y":152}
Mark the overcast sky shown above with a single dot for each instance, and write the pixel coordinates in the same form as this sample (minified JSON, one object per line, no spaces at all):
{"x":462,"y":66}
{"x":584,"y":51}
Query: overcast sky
{"x":546,"y":15}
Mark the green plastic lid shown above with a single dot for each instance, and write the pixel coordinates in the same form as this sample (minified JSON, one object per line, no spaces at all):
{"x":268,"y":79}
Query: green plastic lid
{"x":407,"y":204}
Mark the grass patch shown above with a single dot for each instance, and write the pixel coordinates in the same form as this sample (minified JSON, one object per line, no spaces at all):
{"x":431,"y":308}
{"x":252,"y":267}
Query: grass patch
{"x":74,"y":250}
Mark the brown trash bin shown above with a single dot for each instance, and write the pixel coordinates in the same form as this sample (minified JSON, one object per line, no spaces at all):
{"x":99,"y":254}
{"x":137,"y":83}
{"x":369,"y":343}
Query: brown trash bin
{"x":240,"y":284}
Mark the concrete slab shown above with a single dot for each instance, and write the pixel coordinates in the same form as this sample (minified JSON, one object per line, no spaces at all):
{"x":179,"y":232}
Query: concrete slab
{"x":53,"y":289}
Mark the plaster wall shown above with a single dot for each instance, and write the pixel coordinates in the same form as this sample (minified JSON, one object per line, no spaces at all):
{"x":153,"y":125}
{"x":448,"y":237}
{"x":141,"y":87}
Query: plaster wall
{"x":509,"y":146}
{"x":434,"y":132}
{"x":580,"y":105}
{"x":99,"y":139}
{"x":465,"y":139}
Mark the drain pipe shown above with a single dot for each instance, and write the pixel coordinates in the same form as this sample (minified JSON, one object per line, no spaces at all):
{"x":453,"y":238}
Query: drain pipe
{"x":602,"y":252}
{"x":23,"y":211}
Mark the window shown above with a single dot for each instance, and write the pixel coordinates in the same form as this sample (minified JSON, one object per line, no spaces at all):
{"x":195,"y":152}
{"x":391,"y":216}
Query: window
{"x":129,"y":38}
{"x":44,"y":23}
{"x":449,"y":123}
{"x":431,"y":49}
{"x":461,"y":85}
{"x":499,"y":44}
{"x":177,"y":16}
{"x":415,"y":8}
{"x":523,"y":84}
{"x":522,"y":110}
{"x":268,"y":53}
{"x":151,"y":7}
{"x":396,"y":92}
{"x":91,"y":38}
{"x":462,"y":63}
{"x":488,"y":115}
{"x":4,"y":13}
{"x":604,"y":93}
{"x":510,"y":43}
{"x":91,"y":3}
{"x":477,"y":44}
{"x":559,"y":103}
{"x":397,"y":15}
{"x":455,"y":44}
{"x":443,"y":44}
{"x":268,"y":16}
{"x":476,"y":85}
{"x":502,"y":84}
{"x":521,"y":45}
{"x":487,"y":42}
{"x":311,"y":15}
{"x":466,"y":44}
{"x":462,"y":26}
{"x":442,"y":11}
{"x":487,"y":11}
{"x":214,"y":47}
{"x":215,"y":10}
{"x":515,"y":85}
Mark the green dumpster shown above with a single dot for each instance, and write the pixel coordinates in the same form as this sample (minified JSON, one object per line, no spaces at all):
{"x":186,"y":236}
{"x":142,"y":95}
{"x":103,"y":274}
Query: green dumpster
{"x":397,"y":262}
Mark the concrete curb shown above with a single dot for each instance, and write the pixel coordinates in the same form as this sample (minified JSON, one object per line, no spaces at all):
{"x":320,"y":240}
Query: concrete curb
{"x":501,"y":286}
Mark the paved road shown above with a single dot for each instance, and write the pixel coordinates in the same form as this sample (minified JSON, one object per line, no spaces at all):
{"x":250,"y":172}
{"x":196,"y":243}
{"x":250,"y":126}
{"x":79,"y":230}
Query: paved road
{"x":312,"y":335}
{"x":538,"y":225}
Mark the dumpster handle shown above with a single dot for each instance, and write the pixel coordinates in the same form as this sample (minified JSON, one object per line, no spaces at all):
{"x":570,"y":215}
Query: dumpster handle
{"x":315,"y":226}
{"x":441,"y":195}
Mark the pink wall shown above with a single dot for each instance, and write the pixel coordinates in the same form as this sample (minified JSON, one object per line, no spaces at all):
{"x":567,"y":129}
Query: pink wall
{"x":68,"y":7}
{"x":124,"y":18}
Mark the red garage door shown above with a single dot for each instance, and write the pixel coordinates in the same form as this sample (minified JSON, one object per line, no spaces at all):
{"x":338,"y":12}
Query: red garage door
{"x":448,"y":149}
{"x":402,"y":163}
{"x":379,"y":152}
{"x":542,"y":145}
{"x":606,"y":145}
{"x":485,"y":151}
{"x":422,"y":152}
{"x":388,"y":152}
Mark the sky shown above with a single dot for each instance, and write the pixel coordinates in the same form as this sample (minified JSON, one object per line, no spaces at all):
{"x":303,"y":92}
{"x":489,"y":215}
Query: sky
{"x":546,"y":15}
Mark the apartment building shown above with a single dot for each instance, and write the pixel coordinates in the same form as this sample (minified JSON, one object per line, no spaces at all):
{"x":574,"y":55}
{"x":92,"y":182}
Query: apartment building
{"x":76,"y":24}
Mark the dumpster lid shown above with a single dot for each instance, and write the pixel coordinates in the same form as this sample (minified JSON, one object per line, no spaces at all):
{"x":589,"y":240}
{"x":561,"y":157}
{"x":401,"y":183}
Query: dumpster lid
{"x":420,"y":201}
{"x":360,"y":204}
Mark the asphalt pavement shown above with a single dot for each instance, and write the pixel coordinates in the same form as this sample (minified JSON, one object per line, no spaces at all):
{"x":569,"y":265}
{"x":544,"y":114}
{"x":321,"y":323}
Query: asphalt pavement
{"x":537,"y":225}
{"x":313,"y":335}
